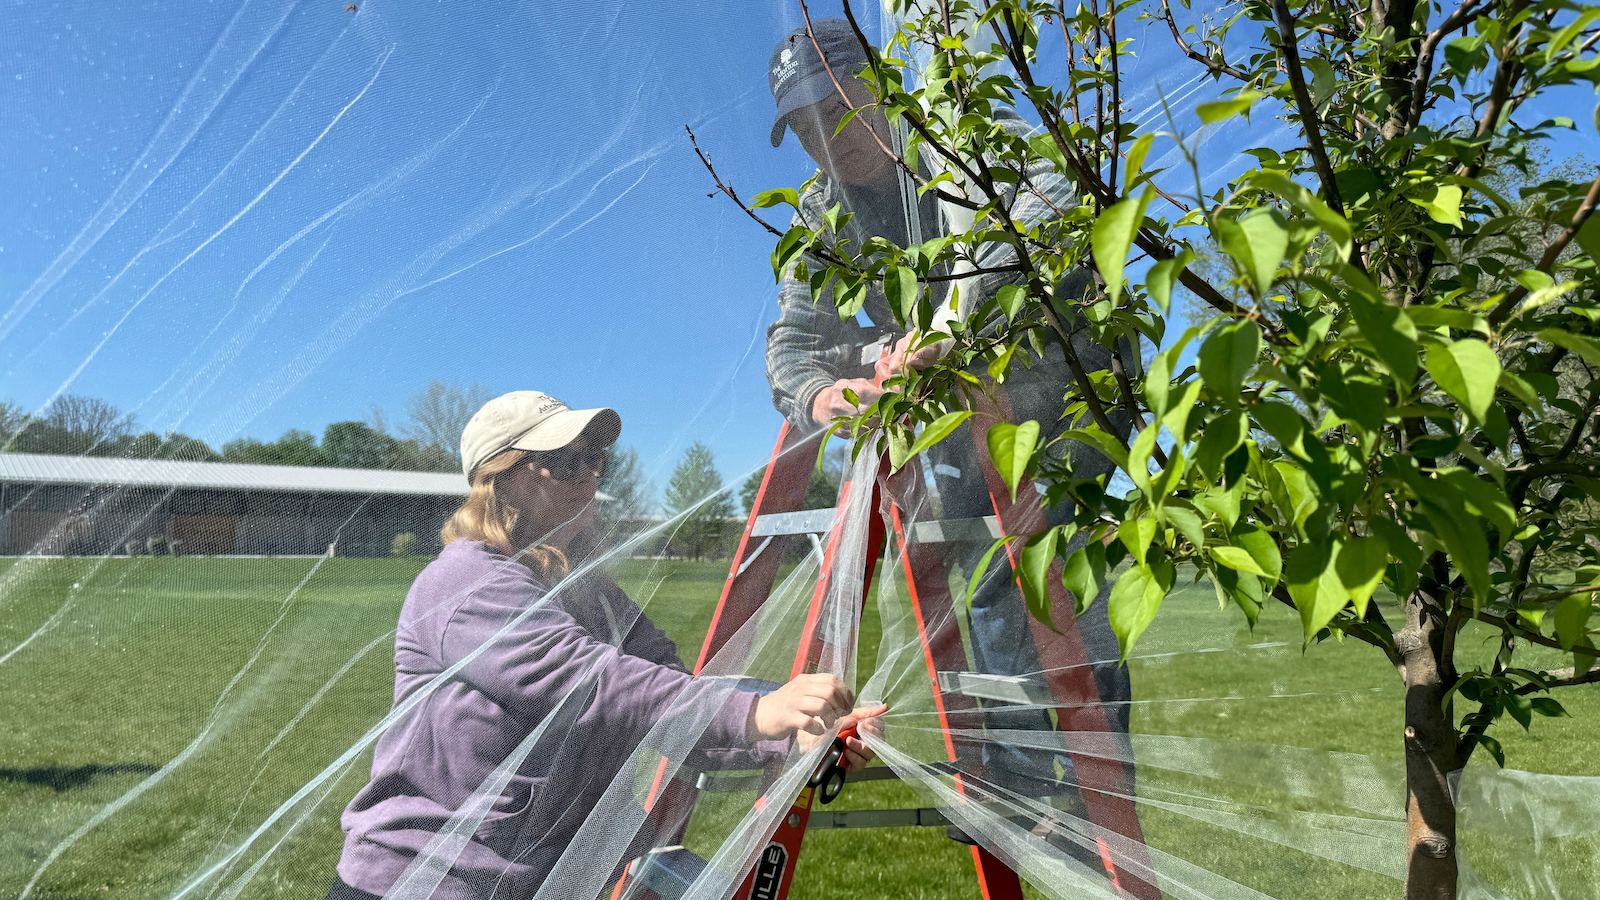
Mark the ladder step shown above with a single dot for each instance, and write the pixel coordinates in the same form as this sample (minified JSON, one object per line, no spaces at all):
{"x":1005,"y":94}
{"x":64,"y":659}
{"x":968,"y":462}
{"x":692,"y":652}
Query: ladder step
{"x":925,"y":817}
{"x":665,"y":872}
{"x":1002,"y":688}
{"x":804,"y":521}
{"x":820,"y":521}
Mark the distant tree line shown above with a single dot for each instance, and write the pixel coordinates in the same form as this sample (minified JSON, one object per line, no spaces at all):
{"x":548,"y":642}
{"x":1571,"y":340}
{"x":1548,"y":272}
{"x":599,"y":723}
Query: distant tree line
{"x":426,"y":441}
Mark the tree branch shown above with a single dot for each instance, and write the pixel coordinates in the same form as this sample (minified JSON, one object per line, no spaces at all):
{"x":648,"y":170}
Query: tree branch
{"x":1533,"y":687}
{"x":1430,"y":45}
{"x":1553,"y":252}
{"x":1217,"y":68}
{"x":1290,"y":46}
{"x":1510,"y":627}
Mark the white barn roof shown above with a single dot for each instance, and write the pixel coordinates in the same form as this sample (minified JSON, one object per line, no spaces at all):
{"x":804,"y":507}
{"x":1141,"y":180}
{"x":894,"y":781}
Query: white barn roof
{"x":39,"y":468}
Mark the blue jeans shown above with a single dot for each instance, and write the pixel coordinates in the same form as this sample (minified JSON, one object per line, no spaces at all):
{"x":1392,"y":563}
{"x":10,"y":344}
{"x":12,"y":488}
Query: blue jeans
{"x":999,"y":632}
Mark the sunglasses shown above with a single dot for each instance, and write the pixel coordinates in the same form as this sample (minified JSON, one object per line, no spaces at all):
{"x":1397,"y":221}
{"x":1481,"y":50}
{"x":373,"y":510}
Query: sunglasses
{"x":568,"y":464}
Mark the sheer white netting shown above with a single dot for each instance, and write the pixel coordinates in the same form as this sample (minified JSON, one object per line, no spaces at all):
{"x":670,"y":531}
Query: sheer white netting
{"x":305,"y":235}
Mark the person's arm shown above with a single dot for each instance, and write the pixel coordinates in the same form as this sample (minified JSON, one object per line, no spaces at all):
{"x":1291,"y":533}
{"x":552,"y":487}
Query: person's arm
{"x":546,"y":654}
{"x":527,"y":655}
{"x":805,"y":347}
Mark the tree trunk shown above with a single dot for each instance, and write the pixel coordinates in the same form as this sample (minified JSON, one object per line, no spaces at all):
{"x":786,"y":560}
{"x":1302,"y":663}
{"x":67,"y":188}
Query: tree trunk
{"x":1431,"y":756}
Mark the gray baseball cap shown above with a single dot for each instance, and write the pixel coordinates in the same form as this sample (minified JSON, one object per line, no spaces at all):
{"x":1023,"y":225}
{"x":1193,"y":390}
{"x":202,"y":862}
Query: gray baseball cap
{"x":795,"y":72}
{"x":531,"y":420}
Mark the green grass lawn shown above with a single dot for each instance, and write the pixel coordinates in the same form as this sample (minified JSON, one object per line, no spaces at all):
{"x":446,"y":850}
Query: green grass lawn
{"x":138,"y":669}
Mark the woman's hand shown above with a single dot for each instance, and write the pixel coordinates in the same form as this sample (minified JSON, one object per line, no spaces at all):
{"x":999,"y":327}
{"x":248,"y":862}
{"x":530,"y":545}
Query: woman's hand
{"x":867,"y":720}
{"x":809,"y":704}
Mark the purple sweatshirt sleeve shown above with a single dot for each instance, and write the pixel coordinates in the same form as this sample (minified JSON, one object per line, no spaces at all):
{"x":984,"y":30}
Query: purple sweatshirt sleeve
{"x":546,"y":654}
{"x":647,"y":641}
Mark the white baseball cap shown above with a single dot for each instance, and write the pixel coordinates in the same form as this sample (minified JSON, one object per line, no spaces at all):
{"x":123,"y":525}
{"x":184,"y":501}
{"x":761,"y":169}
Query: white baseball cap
{"x":530,"y":420}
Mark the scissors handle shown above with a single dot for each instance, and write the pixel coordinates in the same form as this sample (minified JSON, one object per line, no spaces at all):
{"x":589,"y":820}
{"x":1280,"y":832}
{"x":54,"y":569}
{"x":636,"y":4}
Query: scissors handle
{"x":829,"y":780}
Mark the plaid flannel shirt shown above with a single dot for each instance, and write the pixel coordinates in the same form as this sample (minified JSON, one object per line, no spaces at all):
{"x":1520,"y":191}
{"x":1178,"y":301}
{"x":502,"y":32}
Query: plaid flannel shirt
{"x":809,"y":347}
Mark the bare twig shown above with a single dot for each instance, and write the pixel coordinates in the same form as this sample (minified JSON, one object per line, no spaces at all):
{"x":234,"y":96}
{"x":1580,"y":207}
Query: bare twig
{"x":726,"y":188}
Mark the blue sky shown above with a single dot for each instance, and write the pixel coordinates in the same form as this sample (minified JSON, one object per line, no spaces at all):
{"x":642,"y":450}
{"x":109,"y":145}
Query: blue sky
{"x":238,"y":218}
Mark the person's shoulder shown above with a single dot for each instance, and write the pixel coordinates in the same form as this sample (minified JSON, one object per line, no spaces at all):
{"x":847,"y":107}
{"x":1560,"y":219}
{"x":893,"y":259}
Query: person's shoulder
{"x":468,"y":567}
{"x":1012,"y":121}
{"x":818,"y":195}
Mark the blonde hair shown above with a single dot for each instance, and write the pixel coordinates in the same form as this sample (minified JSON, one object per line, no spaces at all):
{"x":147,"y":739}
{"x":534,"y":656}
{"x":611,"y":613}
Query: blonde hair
{"x":483,"y":516}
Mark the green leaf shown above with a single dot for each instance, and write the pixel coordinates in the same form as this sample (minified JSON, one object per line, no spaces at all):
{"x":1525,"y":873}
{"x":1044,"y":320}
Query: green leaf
{"x":1588,"y":236}
{"x":1139,"y":457}
{"x":1108,"y":446}
{"x":1236,"y":558}
{"x":1136,"y":155}
{"x":1466,"y":370}
{"x":1477,"y":498}
{"x":1298,"y":500}
{"x":1044,"y":145}
{"x":1315,"y":587}
{"x":770,"y":198}
{"x":1284,"y":424}
{"x":1221,"y":437}
{"x":1135,"y":600}
{"x":1011,"y":447}
{"x":900,"y":289}
{"x":1001,"y":364}
{"x":1176,"y":417}
{"x":1360,"y":563}
{"x":1572,"y":619}
{"x":1442,"y":203}
{"x":1243,"y":590}
{"x":1227,"y":356}
{"x":1010,"y":299}
{"x":1033,"y":572}
{"x":1222,"y":110}
{"x":1159,"y":280}
{"x":1113,"y":235}
{"x":1465,"y":541}
{"x":1187,"y":521}
{"x":793,"y":241}
{"x":1585,"y":347}
{"x":938,"y":430}
{"x":1084,"y":572}
{"x":1136,"y":535}
{"x":1335,"y":226}
{"x":983,"y":566}
{"x":1389,"y":331}
{"x":1257,"y":242}
{"x":1263,"y":549}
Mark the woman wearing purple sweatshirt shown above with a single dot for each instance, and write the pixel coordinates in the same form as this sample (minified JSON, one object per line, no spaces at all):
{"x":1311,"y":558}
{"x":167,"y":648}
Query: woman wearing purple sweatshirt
{"x":533,"y":466}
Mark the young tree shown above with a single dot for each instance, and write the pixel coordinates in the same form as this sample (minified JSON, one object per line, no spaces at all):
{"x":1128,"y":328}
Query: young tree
{"x":695,"y":491}
{"x":73,"y":424}
{"x":438,"y":413}
{"x":822,"y":491}
{"x":1391,"y":388}
{"x":357,"y":445}
{"x":625,"y":484}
